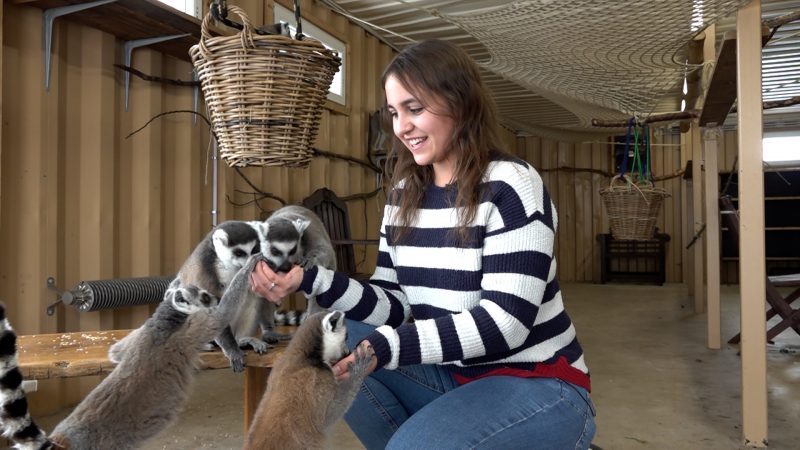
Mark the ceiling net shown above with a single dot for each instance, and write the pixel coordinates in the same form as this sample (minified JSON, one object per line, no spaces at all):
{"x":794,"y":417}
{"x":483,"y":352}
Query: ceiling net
{"x":603,"y":59}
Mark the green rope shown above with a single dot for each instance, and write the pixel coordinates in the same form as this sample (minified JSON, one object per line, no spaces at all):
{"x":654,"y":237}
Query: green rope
{"x":648,"y":173}
{"x":636,"y":166}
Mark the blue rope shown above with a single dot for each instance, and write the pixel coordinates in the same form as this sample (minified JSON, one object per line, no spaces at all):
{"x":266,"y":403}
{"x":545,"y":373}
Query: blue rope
{"x":624,"y":167}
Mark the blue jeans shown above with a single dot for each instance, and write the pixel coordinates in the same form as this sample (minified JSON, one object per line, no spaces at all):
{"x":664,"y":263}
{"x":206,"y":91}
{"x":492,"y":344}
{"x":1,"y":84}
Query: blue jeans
{"x":422,"y":407}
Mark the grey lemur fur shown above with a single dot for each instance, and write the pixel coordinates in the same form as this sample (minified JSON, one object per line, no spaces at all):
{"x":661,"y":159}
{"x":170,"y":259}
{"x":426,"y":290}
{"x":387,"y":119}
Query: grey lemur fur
{"x":303,"y":398}
{"x":295,"y":235}
{"x":149,"y":386}
{"x":212,"y":265}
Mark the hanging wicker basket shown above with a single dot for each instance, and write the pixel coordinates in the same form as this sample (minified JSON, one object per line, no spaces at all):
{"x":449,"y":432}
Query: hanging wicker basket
{"x":632,"y":208}
{"x":264,"y":93}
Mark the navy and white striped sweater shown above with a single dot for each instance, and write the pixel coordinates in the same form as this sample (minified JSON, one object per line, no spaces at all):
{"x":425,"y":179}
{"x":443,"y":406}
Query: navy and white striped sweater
{"x":492,"y":306}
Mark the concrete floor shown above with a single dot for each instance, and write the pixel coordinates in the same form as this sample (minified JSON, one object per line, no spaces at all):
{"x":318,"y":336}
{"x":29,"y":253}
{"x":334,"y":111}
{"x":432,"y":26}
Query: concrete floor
{"x":655,"y":384}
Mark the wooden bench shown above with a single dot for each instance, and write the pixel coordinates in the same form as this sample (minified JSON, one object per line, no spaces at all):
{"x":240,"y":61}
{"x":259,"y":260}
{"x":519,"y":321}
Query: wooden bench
{"x":643,"y":261}
{"x":64,"y":355}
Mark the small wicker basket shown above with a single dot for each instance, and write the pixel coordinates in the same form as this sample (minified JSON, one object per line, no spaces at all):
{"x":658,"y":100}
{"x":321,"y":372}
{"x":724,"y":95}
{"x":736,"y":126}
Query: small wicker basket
{"x":264,"y":93}
{"x":632,"y":208}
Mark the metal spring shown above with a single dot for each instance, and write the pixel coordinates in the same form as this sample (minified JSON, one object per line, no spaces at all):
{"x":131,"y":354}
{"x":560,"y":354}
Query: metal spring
{"x":106,"y":294}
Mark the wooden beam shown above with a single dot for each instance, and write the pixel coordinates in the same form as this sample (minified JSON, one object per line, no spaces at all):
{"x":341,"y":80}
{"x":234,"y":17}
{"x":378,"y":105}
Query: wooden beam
{"x":752,"y":265}
{"x":721,"y":92}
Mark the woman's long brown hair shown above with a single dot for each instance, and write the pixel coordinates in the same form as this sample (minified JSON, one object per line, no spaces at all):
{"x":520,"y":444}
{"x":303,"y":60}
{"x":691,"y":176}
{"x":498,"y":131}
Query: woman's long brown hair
{"x":446,"y":81}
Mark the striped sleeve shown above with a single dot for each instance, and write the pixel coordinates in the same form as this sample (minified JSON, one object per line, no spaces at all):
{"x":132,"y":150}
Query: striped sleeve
{"x":517,"y":259}
{"x":377,"y":301}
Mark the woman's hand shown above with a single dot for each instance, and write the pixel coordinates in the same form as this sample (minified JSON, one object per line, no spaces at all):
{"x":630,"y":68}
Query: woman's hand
{"x":275,"y":286}
{"x":340,"y":368}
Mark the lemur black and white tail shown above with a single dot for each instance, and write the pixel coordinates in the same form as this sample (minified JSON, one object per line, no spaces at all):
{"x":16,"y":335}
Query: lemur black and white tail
{"x":15,"y":420}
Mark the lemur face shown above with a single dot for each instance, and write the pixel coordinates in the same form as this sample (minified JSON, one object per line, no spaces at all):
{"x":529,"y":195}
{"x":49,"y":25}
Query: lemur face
{"x":334,"y":337}
{"x":283,"y":242}
{"x":234,"y":242}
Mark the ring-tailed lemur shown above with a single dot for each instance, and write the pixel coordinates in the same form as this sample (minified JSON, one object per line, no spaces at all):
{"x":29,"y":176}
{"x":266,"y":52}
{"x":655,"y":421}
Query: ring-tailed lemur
{"x":295,"y":235}
{"x":211,"y":266}
{"x":148,"y":387}
{"x":303,"y":398}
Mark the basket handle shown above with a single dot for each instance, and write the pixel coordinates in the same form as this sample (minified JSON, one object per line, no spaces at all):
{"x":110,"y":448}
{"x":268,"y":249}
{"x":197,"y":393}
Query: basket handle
{"x":629,"y":183}
{"x":246,"y":34}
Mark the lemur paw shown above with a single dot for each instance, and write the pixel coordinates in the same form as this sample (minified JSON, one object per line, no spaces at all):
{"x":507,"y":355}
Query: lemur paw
{"x":237,"y":362}
{"x":364,"y":355}
{"x":308,"y":262}
{"x":256,"y":344}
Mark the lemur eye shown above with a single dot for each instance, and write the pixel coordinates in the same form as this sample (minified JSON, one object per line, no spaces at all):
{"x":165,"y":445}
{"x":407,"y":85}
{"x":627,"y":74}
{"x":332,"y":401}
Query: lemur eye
{"x":275,"y":251}
{"x":239,"y":253}
{"x":293,"y":250}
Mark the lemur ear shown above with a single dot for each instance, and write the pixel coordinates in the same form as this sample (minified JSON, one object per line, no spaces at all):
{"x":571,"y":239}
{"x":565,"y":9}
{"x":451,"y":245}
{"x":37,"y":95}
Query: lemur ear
{"x":220,"y":237}
{"x":260,"y":227}
{"x":301,"y":225}
{"x":333,"y":320}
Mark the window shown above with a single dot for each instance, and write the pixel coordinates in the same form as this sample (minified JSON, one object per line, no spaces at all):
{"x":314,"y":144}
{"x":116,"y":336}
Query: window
{"x":337,"y":91}
{"x":782,"y":148}
{"x":190,"y":7}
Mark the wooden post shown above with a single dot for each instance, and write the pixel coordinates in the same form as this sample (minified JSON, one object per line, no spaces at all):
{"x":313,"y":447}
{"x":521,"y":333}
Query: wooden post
{"x":686,"y":225}
{"x":711,"y":135}
{"x":752,"y":265}
{"x":697,"y":224}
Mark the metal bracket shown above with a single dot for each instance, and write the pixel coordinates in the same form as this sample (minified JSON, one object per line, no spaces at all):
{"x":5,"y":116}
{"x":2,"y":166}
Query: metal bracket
{"x":48,"y":16}
{"x":63,"y":297}
{"x":136,"y":43}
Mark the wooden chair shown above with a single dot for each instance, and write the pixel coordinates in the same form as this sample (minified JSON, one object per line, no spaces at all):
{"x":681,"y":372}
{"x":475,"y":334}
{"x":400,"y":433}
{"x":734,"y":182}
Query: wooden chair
{"x":334,"y":215}
{"x":779,"y":304}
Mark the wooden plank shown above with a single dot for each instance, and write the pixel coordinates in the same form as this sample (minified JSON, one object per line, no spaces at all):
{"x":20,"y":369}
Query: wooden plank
{"x":751,"y":215}
{"x":566,"y":211}
{"x":600,"y":156}
{"x":584,"y":238}
{"x":78,"y":354}
{"x":549,"y":154}
{"x":138,"y":19}
{"x":721,"y":92}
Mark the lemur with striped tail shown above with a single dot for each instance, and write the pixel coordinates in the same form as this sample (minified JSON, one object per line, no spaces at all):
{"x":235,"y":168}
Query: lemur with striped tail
{"x":147,"y":389}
